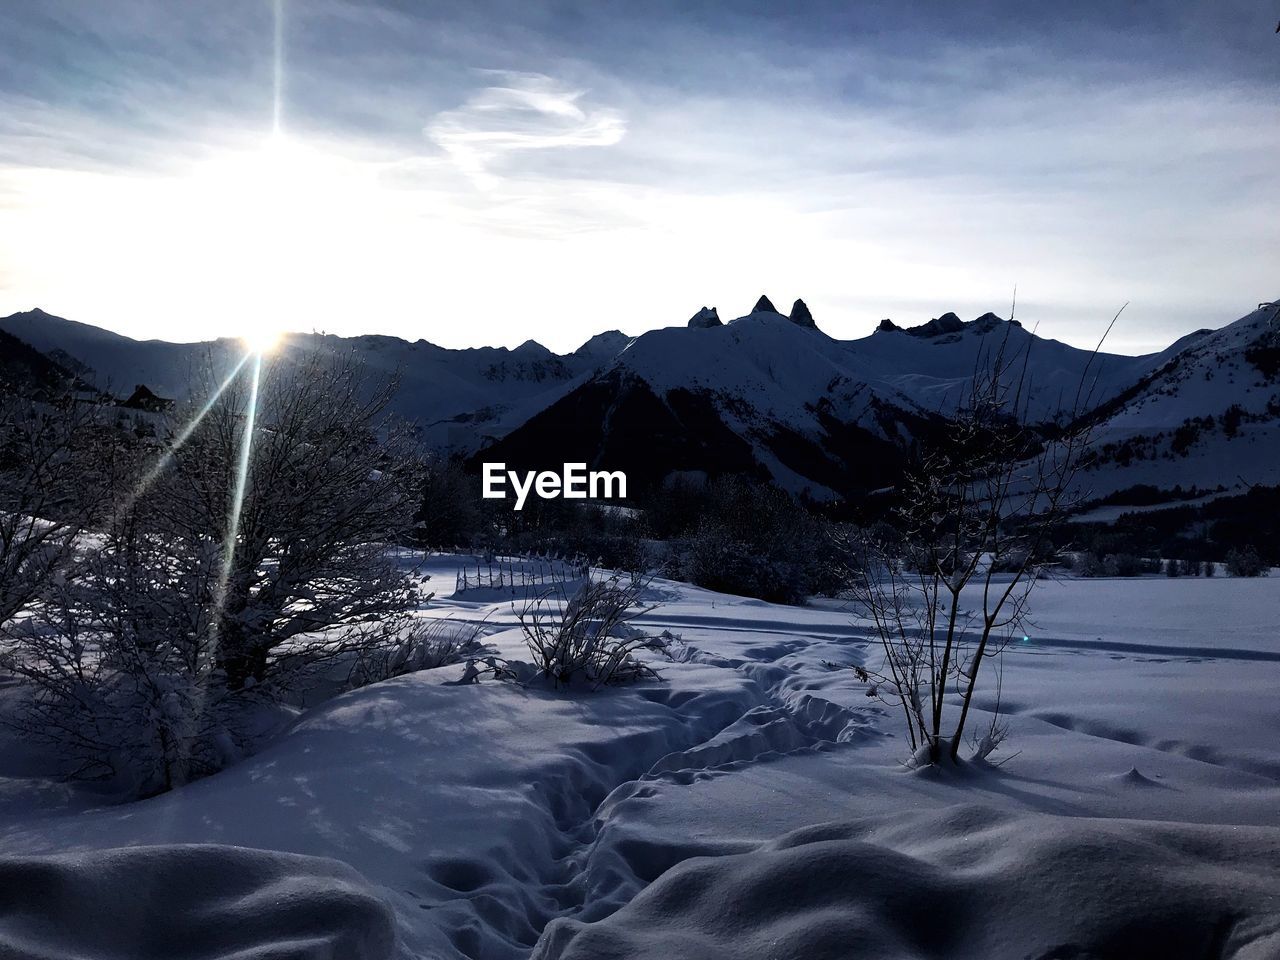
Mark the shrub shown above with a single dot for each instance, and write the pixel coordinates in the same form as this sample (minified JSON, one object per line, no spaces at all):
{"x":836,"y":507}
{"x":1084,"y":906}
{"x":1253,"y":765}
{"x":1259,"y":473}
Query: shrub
{"x":588,"y":639}
{"x":425,"y":645}
{"x":118,"y":667}
{"x":250,"y":556}
{"x":300,"y":481}
{"x":1091,"y":565}
{"x":988,"y":489}
{"x":1126,"y":565}
{"x":756,"y":541}
{"x":1245,"y":562}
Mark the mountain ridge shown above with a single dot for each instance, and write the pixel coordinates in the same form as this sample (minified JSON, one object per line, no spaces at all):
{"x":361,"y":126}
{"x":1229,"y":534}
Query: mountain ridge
{"x":764,"y":393}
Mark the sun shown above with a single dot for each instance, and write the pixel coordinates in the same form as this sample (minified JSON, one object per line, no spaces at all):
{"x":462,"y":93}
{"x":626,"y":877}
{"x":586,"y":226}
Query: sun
{"x":263,"y":340}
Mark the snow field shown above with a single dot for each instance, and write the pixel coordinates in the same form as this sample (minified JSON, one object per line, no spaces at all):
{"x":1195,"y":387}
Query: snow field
{"x":751,"y":804}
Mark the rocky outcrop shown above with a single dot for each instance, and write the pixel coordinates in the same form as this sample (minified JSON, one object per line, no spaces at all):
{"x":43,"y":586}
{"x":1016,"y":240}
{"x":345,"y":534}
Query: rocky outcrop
{"x":887,"y":326}
{"x":706,"y":317}
{"x":764,"y":305}
{"x":947,"y":323}
{"x":801,"y":316}
{"x":989,"y":321}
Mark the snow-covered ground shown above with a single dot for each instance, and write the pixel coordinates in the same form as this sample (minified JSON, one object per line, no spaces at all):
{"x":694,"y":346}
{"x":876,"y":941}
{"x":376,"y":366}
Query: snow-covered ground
{"x":750,"y":804}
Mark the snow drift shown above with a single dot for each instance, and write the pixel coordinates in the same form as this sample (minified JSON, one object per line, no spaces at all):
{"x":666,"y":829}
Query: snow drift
{"x":195,"y":902}
{"x":967,"y":882}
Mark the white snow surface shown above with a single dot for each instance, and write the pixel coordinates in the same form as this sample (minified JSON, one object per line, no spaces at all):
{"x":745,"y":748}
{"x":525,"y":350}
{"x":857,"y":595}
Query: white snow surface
{"x":935,"y":371}
{"x":1201,"y":380}
{"x":751,"y":804}
{"x":165,"y":901}
{"x":1204,"y":378}
{"x":765,"y":361}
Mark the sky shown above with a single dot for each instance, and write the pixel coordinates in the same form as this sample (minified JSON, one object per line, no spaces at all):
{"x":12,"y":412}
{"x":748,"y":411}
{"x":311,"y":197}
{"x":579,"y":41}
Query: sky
{"x":478,"y":172}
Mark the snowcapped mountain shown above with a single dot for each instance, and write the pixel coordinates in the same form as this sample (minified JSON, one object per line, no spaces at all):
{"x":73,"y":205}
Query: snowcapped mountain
{"x":775,"y":396}
{"x":933,"y":363}
{"x":772,"y":395}
{"x":762,"y":394}
{"x":1206,"y":416}
{"x":460,"y":398}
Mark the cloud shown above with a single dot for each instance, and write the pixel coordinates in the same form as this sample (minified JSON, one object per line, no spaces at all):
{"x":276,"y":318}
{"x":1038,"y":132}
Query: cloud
{"x":528,"y":111}
{"x":877,"y":159}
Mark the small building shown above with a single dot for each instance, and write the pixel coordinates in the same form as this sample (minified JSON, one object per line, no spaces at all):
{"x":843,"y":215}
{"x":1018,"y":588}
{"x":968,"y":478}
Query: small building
{"x":143,"y":399}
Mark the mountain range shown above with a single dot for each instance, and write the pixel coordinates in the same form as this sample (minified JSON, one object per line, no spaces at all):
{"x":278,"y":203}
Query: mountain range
{"x":768,"y":394}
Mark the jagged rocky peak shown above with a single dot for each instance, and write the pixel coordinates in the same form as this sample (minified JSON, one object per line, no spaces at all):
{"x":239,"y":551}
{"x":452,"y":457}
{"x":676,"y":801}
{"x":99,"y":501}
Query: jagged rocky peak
{"x":764,"y":305}
{"x":706,"y":317}
{"x":801,"y":316}
{"x":531,"y":348}
{"x":990,"y":321}
{"x":887,"y":326}
{"x":947,"y":323}
{"x":950,"y":324}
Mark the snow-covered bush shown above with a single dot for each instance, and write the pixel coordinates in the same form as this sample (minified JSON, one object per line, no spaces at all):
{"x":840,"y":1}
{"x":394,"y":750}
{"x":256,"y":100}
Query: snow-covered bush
{"x":715,"y":559}
{"x":250,"y":557}
{"x":118,"y":665}
{"x":54,"y":475}
{"x":423,"y":645}
{"x":1089,"y":564}
{"x":1245,"y":562}
{"x":302,"y":511}
{"x":588,"y":638}
{"x":756,"y":541}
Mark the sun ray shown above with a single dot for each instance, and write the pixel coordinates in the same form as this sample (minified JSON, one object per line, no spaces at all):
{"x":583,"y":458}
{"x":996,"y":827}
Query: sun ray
{"x":163,"y":461}
{"x":257,"y":344}
{"x":246,"y":451}
{"x":237,"y":506}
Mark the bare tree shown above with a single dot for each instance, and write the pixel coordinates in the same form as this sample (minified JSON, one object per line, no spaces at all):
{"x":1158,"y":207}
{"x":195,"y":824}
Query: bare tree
{"x":298,"y":475}
{"x":946,"y":586}
{"x":118,"y":663}
{"x":52,"y":481}
{"x":258,"y":546}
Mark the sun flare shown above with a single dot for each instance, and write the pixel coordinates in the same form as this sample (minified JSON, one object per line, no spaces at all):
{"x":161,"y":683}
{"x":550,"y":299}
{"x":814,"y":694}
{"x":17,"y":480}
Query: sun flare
{"x":263,"y":341}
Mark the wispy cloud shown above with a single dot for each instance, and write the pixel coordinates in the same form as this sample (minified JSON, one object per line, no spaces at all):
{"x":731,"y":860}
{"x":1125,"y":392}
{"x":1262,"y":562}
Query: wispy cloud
{"x":525,"y":111}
